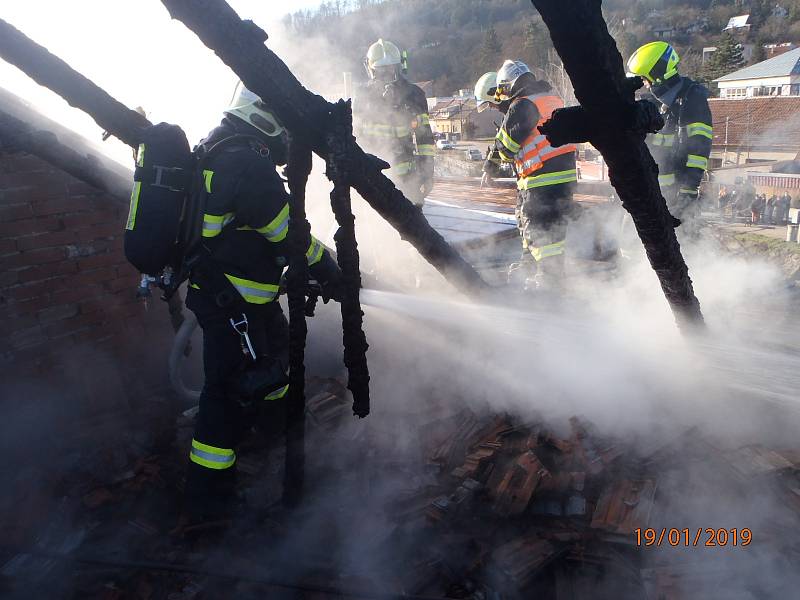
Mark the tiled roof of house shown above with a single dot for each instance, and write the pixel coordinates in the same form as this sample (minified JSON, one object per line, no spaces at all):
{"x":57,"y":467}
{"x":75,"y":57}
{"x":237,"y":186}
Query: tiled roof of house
{"x":771,"y":121}
{"x":449,"y":109}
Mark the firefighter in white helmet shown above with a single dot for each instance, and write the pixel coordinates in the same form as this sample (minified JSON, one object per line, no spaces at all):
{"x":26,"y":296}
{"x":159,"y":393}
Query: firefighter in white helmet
{"x":546,"y":176}
{"x":233,"y":290}
{"x":391,"y":121}
{"x":485,"y":92}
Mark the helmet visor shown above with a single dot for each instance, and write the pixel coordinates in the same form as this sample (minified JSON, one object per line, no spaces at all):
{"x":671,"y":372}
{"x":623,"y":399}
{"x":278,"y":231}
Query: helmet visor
{"x":502,"y":92}
{"x":265,"y":120}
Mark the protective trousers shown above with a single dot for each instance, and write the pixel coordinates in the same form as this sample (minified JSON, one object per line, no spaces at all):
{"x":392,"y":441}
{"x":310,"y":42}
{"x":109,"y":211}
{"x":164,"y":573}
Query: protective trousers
{"x":223,"y":416}
{"x":542,"y":221}
{"x":411,"y":186}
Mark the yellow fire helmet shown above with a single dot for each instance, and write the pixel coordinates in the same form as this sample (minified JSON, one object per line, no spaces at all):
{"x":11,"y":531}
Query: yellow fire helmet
{"x":249,"y":108}
{"x":656,"y":62}
{"x":383,"y":55}
{"x":485,"y":90}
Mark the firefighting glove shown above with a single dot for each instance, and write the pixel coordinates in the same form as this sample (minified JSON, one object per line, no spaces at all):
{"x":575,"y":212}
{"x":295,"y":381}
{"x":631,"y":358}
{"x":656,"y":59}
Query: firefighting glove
{"x":329,"y":276}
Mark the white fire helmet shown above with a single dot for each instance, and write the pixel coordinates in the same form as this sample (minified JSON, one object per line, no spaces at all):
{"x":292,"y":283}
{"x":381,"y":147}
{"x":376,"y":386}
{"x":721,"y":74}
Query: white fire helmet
{"x":383,"y":57}
{"x":249,"y":108}
{"x":485,"y":90}
{"x":507,"y":75}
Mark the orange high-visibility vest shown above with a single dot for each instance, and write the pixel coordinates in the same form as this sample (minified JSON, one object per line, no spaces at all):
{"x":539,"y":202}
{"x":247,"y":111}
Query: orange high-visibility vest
{"x":536,"y":150}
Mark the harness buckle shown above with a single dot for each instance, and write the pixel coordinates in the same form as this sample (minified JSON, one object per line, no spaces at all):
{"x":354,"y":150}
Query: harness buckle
{"x":241,"y":327}
{"x":160,"y":178}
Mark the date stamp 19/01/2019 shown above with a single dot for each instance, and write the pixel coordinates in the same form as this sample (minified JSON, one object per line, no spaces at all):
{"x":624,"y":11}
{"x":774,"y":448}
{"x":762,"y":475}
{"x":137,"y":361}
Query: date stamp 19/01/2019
{"x":699,"y":537}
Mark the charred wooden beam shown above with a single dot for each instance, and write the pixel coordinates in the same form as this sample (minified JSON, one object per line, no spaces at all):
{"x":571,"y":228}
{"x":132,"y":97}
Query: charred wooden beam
{"x":240,"y":45}
{"x":50,"y":71}
{"x":297,"y":171}
{"x":610,"y":118}
{"x":339,"y":168}
{"x":17,"y":135}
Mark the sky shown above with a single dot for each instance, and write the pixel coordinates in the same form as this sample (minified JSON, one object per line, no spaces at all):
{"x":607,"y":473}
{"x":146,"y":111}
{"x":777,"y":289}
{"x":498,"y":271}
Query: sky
{"x":133,"y":50}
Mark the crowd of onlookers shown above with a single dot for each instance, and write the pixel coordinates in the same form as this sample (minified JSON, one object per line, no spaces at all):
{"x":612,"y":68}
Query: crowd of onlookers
{"x":765,"y":210}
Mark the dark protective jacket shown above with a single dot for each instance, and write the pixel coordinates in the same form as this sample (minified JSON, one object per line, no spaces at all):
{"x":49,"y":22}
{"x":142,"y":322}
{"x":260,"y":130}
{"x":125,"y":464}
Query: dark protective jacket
{"x":537,"y":164}
{"x":493,"y":162}
{"x":391,"y":121}
{"x":246,"y":216}
{"x":682,"y":147}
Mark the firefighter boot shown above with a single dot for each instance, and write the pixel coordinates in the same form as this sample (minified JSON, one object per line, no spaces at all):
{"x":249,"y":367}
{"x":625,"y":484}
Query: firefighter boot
{"x":520,"y":272}
{"x":549,"y":276}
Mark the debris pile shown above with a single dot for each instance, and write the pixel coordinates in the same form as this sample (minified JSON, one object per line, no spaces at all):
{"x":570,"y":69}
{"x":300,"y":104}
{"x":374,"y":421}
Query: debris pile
{"x":484,"y":507}
{"x":570,"y":516}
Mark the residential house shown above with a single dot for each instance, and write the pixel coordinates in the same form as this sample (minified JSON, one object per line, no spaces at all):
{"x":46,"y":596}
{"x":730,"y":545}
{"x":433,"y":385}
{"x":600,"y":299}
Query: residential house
{"x":458,"y":118}
{"x":773,"y":50}
{"x":740,"y":24}
{"x":664,"y":32}
{"x":778,"y":76}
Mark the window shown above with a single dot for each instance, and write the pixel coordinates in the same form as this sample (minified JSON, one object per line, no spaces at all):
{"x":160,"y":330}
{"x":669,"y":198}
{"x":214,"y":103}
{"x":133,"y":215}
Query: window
{"x":735,"y":93}
{"x":768,"y":90}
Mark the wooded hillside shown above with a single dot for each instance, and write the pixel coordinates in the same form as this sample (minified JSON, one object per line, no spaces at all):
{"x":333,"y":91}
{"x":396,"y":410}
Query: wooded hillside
{"x":452,"y":42}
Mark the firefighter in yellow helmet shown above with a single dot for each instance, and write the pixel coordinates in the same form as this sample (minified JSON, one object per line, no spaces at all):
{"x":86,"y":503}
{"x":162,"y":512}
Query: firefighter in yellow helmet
{"x":546,"y":176}
{"x":682,"y":147}
{"x":391,"y":121}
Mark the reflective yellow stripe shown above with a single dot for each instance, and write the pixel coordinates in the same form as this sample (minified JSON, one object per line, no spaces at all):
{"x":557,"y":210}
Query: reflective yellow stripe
{"x":381,"y":130}
{"x":253,"y":291}
{"x":426,"y":150}
{"x":689,"y":191}
{"x":403,"y":168}
{"x":697,"y":162}
{"x":276,"y":230}
{"x":505,"y":157}
{"x":668,"y":179}
{"x":137,"y":189}
{"x":507,"y":141}
{"x":207,"y":175}
{"x":703,"y":129}
{"x":314,"y":252}
{"x":211,"y":457}
{"x":214,"y":224}
{"x":542,"y":252}
{"x":557,"y":178}
{"x":666,"y":140}
{"x":277,"y":394}
{"x":423,"y":119}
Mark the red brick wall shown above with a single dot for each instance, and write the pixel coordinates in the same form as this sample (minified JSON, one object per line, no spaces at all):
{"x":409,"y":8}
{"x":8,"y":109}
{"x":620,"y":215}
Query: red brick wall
{"x":68,"y":312}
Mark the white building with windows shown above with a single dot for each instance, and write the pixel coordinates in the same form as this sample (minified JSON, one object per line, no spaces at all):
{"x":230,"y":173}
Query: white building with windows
{"x":778,"y":76}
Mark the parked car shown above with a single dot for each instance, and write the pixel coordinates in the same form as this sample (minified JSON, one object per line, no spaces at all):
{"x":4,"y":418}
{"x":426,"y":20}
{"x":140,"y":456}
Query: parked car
{"x":445,"y":145}
{"x":473,"y":154}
